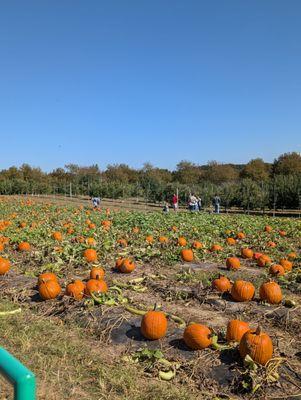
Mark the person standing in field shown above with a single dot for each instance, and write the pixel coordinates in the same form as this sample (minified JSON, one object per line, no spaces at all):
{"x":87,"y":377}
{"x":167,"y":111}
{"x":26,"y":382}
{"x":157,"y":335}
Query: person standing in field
{"x":199,"y":203}
{"x":192,"y":202}
{"x":216,"y":202}
{"x":175,"y":202}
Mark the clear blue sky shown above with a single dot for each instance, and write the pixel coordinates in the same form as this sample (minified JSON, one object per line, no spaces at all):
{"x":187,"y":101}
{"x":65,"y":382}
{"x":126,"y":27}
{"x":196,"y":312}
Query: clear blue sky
{"x":92,"y":81}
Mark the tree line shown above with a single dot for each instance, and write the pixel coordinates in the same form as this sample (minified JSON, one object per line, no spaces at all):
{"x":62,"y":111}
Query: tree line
{"x":255,"y":185}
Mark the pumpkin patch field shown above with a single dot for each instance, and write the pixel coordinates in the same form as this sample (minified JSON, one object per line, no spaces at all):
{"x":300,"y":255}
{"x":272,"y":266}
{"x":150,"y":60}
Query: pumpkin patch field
{"x":108,"y":304}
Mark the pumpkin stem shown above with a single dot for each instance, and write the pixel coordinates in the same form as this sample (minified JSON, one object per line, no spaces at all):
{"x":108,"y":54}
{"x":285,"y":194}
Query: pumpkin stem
{"x":258,"y":330}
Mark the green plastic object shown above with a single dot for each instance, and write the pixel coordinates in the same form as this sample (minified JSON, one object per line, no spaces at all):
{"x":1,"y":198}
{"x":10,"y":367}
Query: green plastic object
{"x":18,"y":375}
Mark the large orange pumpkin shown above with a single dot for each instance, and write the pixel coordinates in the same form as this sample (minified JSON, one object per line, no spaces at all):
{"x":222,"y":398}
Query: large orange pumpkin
{"x":216,"y":247}
{"x":154,"y":325}
{"x":49,"y":289}
{"x":242,"y":290}
{"x":4,"y":266}
{"x":270,"y":292}
{"x":258,"y":345}
{"x":236,"y":329}
{"x":197,"y":336}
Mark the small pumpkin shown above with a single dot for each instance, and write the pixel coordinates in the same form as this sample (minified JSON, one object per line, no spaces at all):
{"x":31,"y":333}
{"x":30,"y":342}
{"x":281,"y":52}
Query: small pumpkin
{"x":241,"y":235}
{"x":95,"y":285}
{"x":270,"y":292}
{"x":75,"y":289}
{"x":263,"y":260}
{"x":163,"y":239}
{"x":268,"y":228}
{"x":216,"y":247}
{"x":182,"y":241}
{"x":282,"y":233}
{"x":233,"y":263}
{"x":231,"y":241}
{"x":149,"y":239}
{"x":197,"y":336}
{"x":122,"y":242}
{"x":187,"y":255}
{"x":258,"y":345}
{"x":292,"y":255}
{"x":49,"y":289}
{"x":127,"y":266}
{"x":286,"y":264}
{"x":271,"y":244}
{"x":222,"y":284}
{"x":276,"y":270}
{"x":90,"y":255}
{"x":242,"y":290}
{"x":97,"y":273}
{"x":24,"y":246}
{"x":236,"y":329}
{"x":4,"y":265}
{"x":57,"y":236}
{"x":91,"y":241}
{"x":197,"y":245}
{"x":247,"y":253}
{"x":154,"y":325}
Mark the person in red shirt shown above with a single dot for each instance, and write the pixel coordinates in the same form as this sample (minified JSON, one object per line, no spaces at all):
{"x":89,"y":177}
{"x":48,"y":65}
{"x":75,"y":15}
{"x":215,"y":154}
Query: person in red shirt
{"x":175,"y":202}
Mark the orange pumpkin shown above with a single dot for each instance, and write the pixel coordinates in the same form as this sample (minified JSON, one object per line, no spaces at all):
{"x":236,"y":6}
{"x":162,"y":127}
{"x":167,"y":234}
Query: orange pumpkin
{"x":90,"y":255}
{"x":258,"y":345}
{"x":76,"y":289}
{"x":222,"y":284}
{"x":187,"y":255}
{"x":122,"y":242}
{"x":127,"y":266}
{"x":49,"y":289}
{"x":263,"y":260}
{"x":24,"y":246}
{"x":197,"y":336}
{"x":163,"y":239}
{"x":91,"y":241}
{"x":276,"y":270}
{"x":247,"y":253}
{"x":97,"y":273}
{"x":149,"y":239}
{"x":95,"y":285}
{"x":154,"y":325}
{"x":57,"y":236}
{"x":197,"y":245}
{"x":292,"y":255}
{"x":270,"y":292}
{"x":182,"y":241}
{"x":242,"y":290}
{"x":119,"y":262}
{"x":240,"y":235}
{"x":236,"y":329}
{"x":271,"y":244}
{"x":282,"y":233}
{"x":233,"y":263}
{"x":286,"y":264}
{"x":268,"y":228}
{"x":231,"y":241}
{"x":216,"y":247}
{"x":4,"y":266}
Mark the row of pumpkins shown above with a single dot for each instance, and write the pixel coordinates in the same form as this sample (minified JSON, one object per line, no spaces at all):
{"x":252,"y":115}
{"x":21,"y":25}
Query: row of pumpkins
{"x":255,"y":343}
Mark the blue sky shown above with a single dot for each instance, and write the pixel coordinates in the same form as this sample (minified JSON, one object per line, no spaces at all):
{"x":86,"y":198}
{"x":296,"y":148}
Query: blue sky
{"x":161,"y":81}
